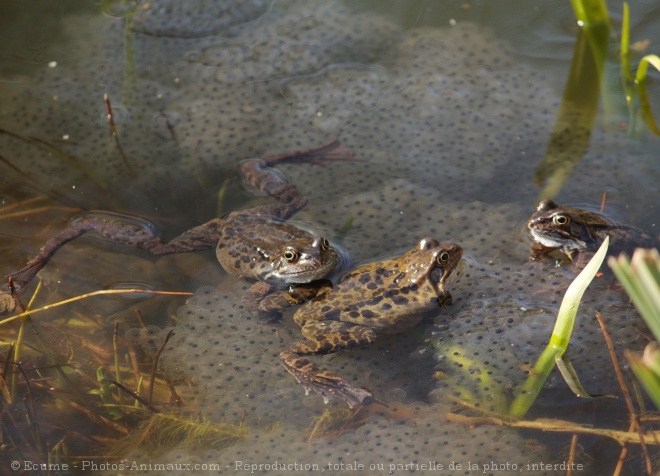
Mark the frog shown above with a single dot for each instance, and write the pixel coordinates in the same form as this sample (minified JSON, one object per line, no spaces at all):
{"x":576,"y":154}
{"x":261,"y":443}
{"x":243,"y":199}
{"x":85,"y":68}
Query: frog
{"x":378,"y":298}
{"x":257,"y":244}
{"x":574,"y":231}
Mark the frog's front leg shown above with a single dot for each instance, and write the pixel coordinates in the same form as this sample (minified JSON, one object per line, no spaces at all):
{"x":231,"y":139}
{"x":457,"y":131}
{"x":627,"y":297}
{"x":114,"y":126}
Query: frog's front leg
{"x":325,"y":337}
{"x":268,"y":301}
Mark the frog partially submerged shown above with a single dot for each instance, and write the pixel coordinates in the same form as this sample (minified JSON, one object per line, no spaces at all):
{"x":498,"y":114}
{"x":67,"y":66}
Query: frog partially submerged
{"x":255,"y":244}
{"x":572,"y":231}
{"x":384,"y":297}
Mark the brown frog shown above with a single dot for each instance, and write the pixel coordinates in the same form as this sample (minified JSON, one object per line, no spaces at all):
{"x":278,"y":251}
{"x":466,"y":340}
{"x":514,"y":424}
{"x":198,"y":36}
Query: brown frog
{"x":384,"y":297}
{"x":254,"y":244}
{"x":571,"y":231}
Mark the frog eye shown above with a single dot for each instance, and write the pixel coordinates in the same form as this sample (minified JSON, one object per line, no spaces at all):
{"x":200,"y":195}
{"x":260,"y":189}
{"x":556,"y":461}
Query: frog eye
{"x":324,"y":244}
{"x":291,"y":255}
{"x":560,"y":219}
{"x":442,"y":258}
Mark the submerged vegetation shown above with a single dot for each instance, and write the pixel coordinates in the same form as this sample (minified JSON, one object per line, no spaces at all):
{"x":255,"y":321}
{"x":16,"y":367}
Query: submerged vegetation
{"x":67,"y":393}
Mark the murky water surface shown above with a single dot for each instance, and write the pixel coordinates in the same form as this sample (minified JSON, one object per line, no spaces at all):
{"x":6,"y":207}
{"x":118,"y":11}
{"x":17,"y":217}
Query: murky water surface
{"x":448,"y":106}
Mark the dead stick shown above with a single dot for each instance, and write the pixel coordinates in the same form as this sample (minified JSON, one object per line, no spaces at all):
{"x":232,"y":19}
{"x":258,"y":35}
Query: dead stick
{"x":626,"y":393}
{"x":154,"y":367}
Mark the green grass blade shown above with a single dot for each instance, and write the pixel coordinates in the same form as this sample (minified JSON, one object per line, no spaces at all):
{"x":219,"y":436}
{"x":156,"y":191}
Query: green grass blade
{"x":644,"y":102}
{"x":591,"y":12}
{"x":560,"y":338}
{"x":641,"y":280}
{"x":645,"y":374}
{"x":570,"y":376}
{"x":625,"y":43}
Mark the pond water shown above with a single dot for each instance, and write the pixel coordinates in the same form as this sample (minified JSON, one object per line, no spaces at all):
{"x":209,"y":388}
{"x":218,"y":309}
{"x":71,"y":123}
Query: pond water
{"x":449,"y":107}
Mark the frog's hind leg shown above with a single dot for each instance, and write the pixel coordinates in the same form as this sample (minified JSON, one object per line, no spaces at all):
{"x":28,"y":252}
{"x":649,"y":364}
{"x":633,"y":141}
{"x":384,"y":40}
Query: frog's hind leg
{"x":328,"y":336}
{"x":116,"y":227}
{"x":259,"y":172}
{"x":119,"y":228}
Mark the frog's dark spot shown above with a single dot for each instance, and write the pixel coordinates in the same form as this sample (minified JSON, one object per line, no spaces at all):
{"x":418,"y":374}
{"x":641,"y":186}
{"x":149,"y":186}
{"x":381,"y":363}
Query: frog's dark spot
{"x":245,"y":259}
{"x":333,"y":315}
{"x":372,"y":286}
{"x":399,"y":300}
{"x":237,"y":264}
{"x":379,"y":281}
{"x":386,"y":306}
{"x":381,"y":271}
{"x":325,"y":308}
{"x":354,"y":314}
{"x":375,"y":300}
{"x":390,"y":293}
{"x":252,"y":265}
{"x":365,"y":278}
{"x":368,"y":314}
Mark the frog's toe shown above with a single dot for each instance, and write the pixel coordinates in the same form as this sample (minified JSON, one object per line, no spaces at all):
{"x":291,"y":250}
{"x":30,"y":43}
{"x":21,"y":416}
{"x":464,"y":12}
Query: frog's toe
{"x":335,"y":387}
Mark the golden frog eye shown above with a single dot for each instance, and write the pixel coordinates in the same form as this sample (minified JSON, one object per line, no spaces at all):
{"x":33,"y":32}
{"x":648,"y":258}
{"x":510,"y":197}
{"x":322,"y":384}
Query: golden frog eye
{"x":291,"y":255}
{"x":560,"y":219}
{"x":324,"y":244}
{"x":442,"y":257}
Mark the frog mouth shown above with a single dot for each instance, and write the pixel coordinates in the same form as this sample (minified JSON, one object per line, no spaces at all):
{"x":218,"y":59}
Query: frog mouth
{"x":307,"y":274}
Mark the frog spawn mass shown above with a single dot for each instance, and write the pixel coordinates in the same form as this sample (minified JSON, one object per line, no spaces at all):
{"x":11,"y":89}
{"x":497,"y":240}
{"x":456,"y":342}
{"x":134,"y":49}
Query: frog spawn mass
{"x":429,"y":101}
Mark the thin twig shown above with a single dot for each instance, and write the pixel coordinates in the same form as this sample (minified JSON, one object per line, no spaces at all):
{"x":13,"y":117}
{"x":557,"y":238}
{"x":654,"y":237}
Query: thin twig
{"x":100,"y":292}
{"x":603,"y":202}
{"x":135,"y":396}
{"x":113,"y":131}
{"x":623,"y":454}
{"x":152,"y":376}
{"x":626,"y":393}
{"x":115,"y":349}
{"x":571,"y":455}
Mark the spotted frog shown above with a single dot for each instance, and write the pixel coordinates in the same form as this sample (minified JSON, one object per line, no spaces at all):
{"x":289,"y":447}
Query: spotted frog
{"x":256,"y":244}
{"x":384,"y":297}
{"x":572,"y":231}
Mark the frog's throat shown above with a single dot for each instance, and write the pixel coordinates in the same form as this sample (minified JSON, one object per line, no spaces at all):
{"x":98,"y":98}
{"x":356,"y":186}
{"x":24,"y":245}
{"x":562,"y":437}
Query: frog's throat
{"x":555,"y":240}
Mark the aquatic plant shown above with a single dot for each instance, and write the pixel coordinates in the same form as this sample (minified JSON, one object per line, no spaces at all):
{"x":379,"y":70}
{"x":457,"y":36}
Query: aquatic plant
{"x":43,"y":382}
{"x":637,"y":83}
{"x":553,"y":354}
{"x":640,"y":276}
{"x":164,"y":431}
{"x":579,"y":107}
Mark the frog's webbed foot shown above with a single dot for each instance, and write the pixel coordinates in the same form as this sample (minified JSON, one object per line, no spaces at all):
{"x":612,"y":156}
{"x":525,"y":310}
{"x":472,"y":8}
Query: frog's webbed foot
{"x":326,"y":384}
{"x":320,"y":155}
{"x":7,"y":303}
{"x":328,"y":336}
